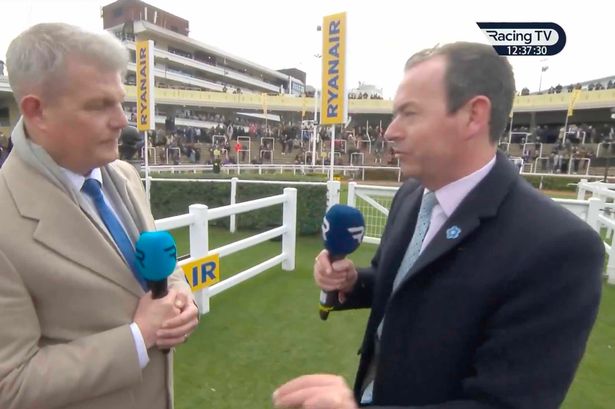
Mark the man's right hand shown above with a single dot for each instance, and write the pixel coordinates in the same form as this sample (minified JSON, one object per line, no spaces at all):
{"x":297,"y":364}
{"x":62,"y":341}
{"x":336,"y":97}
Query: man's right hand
{"x":340,"y":275}
{"x":152,"y":313}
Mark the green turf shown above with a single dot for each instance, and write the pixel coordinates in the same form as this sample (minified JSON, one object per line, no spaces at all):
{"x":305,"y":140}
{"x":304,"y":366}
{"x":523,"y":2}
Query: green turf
{"x":267,"y":331}
{"x":594,"y":385}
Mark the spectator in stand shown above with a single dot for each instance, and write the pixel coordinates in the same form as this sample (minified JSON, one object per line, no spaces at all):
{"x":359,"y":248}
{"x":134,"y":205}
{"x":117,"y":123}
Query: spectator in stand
{"x":237,"y":148}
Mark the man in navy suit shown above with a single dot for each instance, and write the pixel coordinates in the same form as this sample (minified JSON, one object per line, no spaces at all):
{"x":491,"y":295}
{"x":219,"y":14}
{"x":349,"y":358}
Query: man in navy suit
{"x":483,"y":291}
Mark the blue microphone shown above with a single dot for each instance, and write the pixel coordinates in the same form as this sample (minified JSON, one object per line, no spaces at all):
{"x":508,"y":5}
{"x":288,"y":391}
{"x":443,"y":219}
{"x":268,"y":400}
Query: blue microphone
{"x":343,"y":229}
{"x":156,"y":260}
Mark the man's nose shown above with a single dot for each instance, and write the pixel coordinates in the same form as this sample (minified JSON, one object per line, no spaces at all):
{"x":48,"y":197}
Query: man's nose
{"x":119,"y":119}
{"x":392,"y":132}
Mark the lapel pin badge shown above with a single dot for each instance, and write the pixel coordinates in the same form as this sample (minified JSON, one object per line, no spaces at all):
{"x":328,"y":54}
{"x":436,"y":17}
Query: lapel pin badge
{"x":453,"y":232}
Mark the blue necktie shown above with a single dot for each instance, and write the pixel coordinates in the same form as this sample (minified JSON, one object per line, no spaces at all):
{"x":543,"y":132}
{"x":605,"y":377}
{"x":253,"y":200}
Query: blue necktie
{"x":92,"y":188}
{"x":412,"y":254}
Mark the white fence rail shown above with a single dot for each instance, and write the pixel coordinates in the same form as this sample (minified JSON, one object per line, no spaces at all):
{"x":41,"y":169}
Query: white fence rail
{"x":597,"y":212}
{"x":278,"y":168}
{"x":303,"y":169}
{"x":197,"y":219}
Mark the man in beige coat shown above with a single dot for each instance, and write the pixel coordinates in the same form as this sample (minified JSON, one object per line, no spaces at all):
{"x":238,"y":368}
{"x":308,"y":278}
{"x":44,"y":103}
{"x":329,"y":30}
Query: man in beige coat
{"x":77,"y":329}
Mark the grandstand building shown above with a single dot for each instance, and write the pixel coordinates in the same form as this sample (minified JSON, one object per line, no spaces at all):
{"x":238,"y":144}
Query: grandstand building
{"x":201,"y":90}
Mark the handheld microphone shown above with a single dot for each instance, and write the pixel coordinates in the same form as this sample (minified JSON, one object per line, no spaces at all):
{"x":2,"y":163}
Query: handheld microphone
{"x":343,"y":228}
{"x":156,"y":255}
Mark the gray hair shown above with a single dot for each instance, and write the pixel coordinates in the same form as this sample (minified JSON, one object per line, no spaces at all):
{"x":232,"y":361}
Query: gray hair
{"x":37,"y":58}
{"x":475,"y":69}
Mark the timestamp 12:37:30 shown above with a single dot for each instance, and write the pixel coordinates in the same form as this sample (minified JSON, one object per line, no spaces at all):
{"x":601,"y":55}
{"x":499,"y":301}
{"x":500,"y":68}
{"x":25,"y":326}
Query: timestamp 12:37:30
{"x":527,"y":50}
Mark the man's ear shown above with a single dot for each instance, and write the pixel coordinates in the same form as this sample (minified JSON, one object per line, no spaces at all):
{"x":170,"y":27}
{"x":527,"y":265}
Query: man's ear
{"x":478,"y":116}
{"x":32,"y":109}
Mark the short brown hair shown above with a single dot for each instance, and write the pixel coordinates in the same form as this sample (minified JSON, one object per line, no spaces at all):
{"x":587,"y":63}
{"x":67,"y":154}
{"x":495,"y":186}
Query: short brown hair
{"x":475,"y":69}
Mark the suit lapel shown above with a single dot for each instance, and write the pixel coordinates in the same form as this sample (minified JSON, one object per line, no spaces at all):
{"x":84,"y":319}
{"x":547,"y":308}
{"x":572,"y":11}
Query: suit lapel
{"x":65,"y":228}
{"x":132,"y":197}
{"x":480,"y":204}
{"x":441,"y":243}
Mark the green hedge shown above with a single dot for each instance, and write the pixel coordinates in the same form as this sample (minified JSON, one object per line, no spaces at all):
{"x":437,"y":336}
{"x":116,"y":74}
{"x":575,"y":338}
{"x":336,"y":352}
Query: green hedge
{"x":173,"y":198}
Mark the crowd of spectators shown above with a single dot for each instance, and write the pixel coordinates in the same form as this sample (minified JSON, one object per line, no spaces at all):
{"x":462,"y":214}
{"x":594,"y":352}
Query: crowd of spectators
{"x":364,"y":95}
{"x":558,"y":89}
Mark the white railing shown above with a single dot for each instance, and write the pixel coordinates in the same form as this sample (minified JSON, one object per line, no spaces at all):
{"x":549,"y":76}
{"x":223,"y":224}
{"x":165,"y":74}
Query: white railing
{"x":376,"y":213}
{"x":533,"y":146}
{"x":281,"y":168}
{"x":174,"y":149}
{"x":352,"y":169}
{"x":597,"y":212}
{"x":197,"y":219}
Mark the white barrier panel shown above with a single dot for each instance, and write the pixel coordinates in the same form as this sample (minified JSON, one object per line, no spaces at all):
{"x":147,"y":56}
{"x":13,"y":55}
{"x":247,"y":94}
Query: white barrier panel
{"x":198,"y":221}
{"x":374,"y":204}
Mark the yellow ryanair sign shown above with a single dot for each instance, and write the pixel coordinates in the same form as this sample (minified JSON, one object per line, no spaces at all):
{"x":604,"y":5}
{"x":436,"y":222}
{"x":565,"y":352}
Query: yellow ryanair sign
{"x":333,"y":95}
{"x":145,"y":85}
{"x":203,"y":272}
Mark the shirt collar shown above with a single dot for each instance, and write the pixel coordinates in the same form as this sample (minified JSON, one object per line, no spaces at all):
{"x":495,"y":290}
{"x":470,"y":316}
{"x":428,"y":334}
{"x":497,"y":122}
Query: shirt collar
{"x":76,"y":180}
{"x":450,"y":196}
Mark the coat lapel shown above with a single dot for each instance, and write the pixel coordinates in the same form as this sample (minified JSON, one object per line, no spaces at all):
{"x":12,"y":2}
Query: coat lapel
{"x":65,"y":228}
{"x":132,"y":196}
{"x":480,"y":204}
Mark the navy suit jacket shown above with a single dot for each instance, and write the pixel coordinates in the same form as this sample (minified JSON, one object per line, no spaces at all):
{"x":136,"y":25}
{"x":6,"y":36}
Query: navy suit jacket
{"x":497,"y":317}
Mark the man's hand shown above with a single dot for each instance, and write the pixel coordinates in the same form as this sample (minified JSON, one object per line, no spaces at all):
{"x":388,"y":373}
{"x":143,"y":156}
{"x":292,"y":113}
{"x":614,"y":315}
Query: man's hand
{"x":176,"y":330}
{"x":340,"y":275}
{"x":315,"y":392}
{"x":151,"y":314}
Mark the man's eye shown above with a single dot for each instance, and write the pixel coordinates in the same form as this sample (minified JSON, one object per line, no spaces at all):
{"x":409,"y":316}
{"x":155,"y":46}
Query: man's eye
{"x":94,"y":106}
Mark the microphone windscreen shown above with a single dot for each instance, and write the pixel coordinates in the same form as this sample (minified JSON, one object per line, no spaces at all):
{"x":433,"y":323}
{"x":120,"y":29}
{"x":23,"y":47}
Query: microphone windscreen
{"x":343,"y":229}
{"x":156,"y":255}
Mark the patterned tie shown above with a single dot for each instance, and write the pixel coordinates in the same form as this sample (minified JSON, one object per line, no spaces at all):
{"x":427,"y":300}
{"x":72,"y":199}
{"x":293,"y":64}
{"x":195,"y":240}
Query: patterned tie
{"x":412,"y":254}
{"x":92,"y":188}
{"x":414,"y":248}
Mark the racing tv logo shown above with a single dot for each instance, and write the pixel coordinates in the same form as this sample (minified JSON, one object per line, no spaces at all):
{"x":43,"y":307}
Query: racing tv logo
{"x":525,"y":39}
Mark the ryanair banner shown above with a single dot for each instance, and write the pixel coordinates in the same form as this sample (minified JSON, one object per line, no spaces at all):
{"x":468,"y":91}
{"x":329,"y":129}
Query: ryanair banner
{"x":145,"y":85}
{"x":333,"y":96}
{"x":573,"y":100}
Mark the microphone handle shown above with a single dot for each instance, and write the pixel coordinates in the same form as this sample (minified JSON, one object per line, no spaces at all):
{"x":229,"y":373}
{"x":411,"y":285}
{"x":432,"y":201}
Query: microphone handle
{"x":159,"y":290}
{"x":329,"y":298}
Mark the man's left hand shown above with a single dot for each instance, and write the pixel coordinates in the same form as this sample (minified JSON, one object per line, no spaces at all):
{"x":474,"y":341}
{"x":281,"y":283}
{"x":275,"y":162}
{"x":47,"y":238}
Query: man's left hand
{"x":319,"y":391}
{"x":176,"y":330}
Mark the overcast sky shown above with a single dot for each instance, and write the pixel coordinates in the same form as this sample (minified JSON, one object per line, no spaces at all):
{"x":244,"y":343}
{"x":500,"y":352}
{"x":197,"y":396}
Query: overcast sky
{"x":381,"y":34}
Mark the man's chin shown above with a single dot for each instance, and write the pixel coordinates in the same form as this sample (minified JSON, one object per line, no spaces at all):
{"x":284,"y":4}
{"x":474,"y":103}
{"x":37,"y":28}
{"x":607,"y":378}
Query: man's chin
{"x":108,"y":158}
{"x":408,"y":171}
